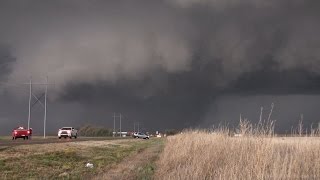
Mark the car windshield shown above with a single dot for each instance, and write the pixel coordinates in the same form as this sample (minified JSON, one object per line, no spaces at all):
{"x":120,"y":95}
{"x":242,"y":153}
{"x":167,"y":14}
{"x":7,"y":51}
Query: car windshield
{"x":65,"y":128}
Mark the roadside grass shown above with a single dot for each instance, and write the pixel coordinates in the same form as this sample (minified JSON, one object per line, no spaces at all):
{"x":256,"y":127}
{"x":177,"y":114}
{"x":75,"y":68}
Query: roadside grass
{"x":147,"y":170}
{"x":67,"y":162}
{"x":217,"y":155}
{"x":5,"y":137}
{"x":34,"y":137}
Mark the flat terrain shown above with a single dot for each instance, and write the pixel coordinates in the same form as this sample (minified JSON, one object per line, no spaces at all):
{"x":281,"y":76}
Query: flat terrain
{"x":141,"y":165}
{"x":203,"y":155}
{"x":111,"y":159}
{"x":7,"y":141}
{"x":190,"y":155}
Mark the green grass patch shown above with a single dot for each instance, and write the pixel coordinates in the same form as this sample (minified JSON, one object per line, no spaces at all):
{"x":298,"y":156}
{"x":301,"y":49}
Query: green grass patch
{"x":68,"y":163}
{"x":146,"y":171}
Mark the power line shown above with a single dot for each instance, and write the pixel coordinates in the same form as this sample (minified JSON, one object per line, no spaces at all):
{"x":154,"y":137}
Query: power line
{"x":30,"y":96}
{"x":45,"y":109}
{"x":114,"y":123}
{"x":38,"y":100}
{"x":120,"y":126}
{"x":134,"y":126}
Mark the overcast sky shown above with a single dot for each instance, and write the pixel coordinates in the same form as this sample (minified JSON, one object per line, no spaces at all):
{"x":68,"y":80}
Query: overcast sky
{"x":165,"y":63}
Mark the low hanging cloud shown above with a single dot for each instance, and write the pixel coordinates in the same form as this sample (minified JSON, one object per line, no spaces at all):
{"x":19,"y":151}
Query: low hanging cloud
{"x":161,"y":60}
{"x":93,"y":47}
{"x":82,"y":42}
{"x":223,"y":4}
{"x":86,"y":57}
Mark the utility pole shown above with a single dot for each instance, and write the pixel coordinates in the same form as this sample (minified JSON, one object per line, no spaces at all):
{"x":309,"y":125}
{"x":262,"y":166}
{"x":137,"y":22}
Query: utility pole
{"x":30,"y":94}
{"x":138,"y":127}
{"x":45,"y":109}
{"x":120,"y":126}
{"x":38,"y":100}
{"x":114,"y":125}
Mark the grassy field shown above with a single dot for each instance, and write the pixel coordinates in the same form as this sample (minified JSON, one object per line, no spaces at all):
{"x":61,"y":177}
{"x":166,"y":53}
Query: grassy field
{"x":217,"y":155}
{"x":68,"y":160}
{"x":255,"y":153}
{"x":141,"y":165}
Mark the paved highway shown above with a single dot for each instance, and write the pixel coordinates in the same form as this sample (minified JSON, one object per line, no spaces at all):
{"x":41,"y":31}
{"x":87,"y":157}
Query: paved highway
{"x":38,"y":140}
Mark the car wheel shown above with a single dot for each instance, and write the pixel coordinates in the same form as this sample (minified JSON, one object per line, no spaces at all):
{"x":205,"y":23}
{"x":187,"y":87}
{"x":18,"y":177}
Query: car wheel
{"x":76,"y":136}
{"x":59,"y":137}
{"x":27,"y":137}
{"x":12,"y":138}
{"x":70,"y":137}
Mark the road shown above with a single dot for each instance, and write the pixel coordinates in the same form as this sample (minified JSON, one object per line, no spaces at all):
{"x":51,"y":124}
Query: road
{"x":38,"y":140}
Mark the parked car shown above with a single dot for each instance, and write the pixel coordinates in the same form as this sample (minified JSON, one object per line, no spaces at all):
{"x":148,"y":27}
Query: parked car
{"x":21,"y":132}
{"x":67,"y":132}
{"x":140,"y":135}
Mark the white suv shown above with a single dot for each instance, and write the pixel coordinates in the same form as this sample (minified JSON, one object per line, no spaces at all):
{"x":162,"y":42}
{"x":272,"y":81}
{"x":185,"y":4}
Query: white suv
{"x":67,"y":132}
{"x":140,"y":135}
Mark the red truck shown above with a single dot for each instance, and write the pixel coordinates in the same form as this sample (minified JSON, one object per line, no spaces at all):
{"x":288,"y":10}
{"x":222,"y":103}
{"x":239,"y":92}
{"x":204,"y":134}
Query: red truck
{"x":21,"y":132}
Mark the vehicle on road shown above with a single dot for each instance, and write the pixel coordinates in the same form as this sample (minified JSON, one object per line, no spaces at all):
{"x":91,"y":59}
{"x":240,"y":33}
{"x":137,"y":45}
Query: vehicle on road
{"x":140,"y":135}
{"x":21,"y":132}
{"x":67,"y":132}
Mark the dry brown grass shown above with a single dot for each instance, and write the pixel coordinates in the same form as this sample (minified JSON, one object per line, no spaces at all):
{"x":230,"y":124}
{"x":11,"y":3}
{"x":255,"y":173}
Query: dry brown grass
{"x":204,"y":155}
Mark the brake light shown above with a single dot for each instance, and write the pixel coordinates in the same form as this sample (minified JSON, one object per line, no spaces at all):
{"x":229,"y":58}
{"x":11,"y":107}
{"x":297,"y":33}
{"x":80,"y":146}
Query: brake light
{"x":28,"y":132}
{"x":15,"y":132}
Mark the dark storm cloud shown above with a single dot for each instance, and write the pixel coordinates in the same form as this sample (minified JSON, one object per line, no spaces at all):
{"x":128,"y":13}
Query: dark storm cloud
{"x":163,"y":61}
{"x":85,"y":42}
{"x":6,"y":62}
